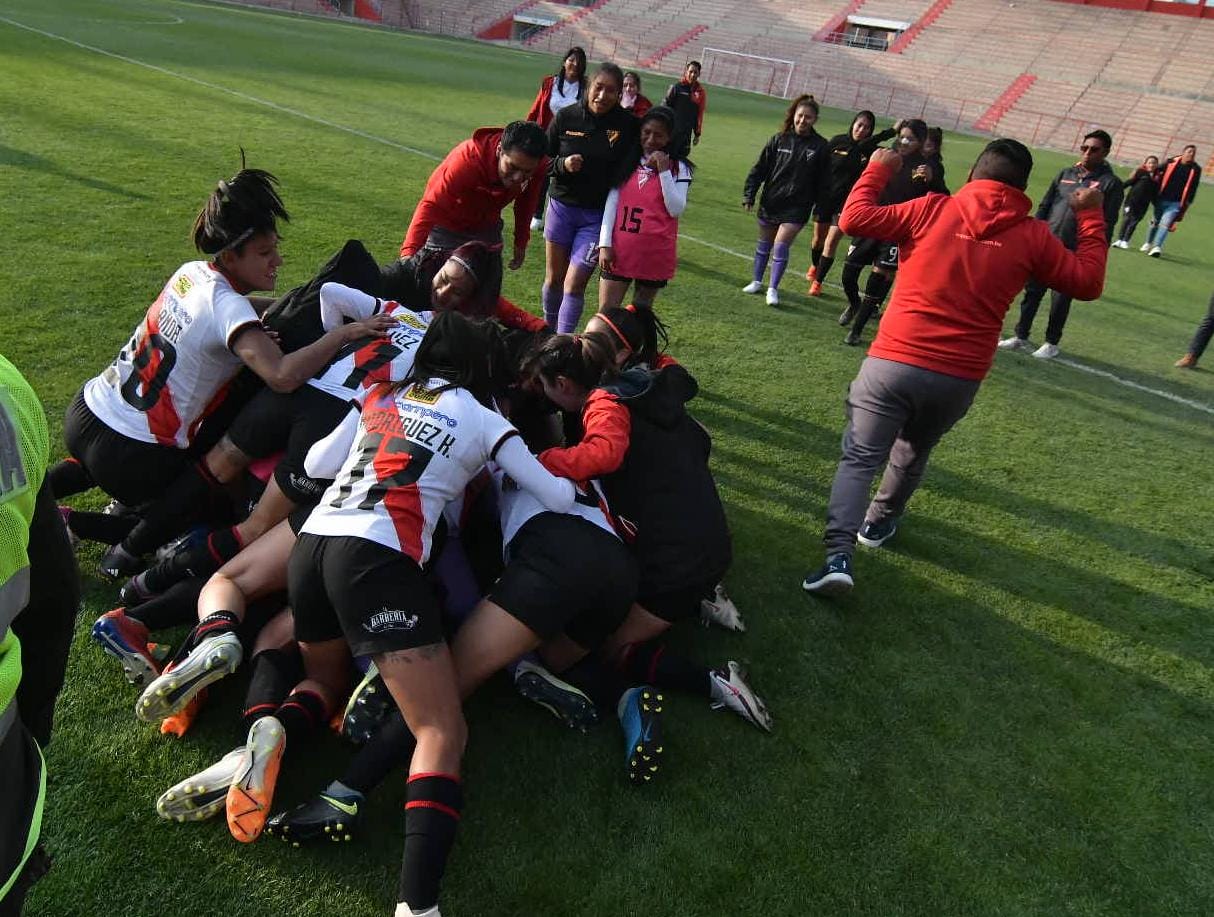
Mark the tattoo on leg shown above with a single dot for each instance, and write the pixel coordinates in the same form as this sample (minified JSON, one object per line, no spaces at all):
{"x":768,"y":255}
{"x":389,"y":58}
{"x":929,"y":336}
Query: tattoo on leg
{"x":416,"y":654}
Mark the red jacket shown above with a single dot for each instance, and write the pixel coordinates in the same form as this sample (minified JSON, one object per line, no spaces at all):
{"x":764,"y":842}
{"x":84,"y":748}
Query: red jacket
{"x":540,"y":113}
{"x":962,"y":260}
{"x":641,"y":105}
{"x":465,"y":194}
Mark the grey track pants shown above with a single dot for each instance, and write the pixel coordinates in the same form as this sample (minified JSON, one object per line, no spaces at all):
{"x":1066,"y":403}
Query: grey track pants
{"x":896,"y":413}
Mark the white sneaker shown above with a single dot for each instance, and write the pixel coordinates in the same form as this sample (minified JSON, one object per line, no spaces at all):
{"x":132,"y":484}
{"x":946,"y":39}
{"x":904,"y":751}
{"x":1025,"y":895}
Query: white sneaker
{"x":1155,"y":252}
{"x":403,"y":910}
{"x":730,"y":691}
{"x":1121,"y":243}
{"x":1046,"y":351}
{"x":773,"y":296}
{"x":1146,"y":247}
{"x":536,"y":224}
{"x":202,"y":795}
{"x":1014,"y":343}
{"x":721,"y":611}
{"x":212,"y":659}
{"x":753,"y":287}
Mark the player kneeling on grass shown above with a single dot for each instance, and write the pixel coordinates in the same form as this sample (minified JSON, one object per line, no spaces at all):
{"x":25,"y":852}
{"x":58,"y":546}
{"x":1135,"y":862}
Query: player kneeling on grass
{"x":638,"y":241}
{"x":963,"y":260}
{"x":131,"y":430}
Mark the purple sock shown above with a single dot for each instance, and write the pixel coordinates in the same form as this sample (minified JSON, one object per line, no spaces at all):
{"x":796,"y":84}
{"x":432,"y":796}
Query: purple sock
{"x":779,"y":261}
{"x":571,"y":312}
{"x":762,"y":253}
{"x":552,"y":304}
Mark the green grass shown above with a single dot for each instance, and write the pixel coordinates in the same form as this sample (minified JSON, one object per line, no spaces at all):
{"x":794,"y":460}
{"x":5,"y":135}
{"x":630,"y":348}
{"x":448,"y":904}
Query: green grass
{"x":1011,"y":715}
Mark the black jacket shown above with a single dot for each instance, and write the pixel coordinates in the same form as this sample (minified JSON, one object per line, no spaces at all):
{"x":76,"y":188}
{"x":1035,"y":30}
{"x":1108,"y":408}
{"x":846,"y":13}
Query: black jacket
{"x":904,"y":186}
{"x":847,"y":161}
{"x":937,"y":183}
{"x":1143,"y":189}
{"x":792,"y":169}
{"x":1055,"y":206}
{"x":664,"y":487}
{"x":1180,"y":181}
{"x":608,"y":146}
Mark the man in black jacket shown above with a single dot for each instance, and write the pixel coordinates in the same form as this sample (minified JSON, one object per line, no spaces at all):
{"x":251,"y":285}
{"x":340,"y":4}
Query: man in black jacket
{"x":1090,"y":172}
{"x":1177,"y":189}
{"x":687,"y":99}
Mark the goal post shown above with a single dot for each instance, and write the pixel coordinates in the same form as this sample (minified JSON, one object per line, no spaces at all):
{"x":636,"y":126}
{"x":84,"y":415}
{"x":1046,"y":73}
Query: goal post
{"x":752,"y":72}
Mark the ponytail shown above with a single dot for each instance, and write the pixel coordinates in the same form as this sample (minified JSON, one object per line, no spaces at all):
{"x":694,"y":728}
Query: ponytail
{"x":582,"y":358}
{"x":638,"y":329}
{"x":245,"y":205}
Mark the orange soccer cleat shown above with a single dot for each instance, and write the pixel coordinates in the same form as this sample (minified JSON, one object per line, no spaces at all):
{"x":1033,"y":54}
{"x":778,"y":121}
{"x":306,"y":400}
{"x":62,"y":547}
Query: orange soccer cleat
{"x":252,"y":792}
{"x":815,"y":289}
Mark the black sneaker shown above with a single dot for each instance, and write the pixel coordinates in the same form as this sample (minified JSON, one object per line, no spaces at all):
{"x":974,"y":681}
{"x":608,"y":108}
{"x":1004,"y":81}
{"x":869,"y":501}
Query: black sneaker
{"x":852,"y":339}
{"x":334,"y":817}
{"x":135,"y":591}
{"x":875,"y":534}
{"x":833,"y":578}
{"x":847,"y":315}
{"x":117,"y":564}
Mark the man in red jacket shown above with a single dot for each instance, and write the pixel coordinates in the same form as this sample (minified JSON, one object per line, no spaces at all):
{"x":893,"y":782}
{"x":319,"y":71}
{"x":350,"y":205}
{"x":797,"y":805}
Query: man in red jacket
{"x":466,"y":194}
{"x":962,"y":261}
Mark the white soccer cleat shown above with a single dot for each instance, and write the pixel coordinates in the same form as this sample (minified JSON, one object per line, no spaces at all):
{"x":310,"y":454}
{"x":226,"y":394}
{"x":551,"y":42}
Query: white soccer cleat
{"x":212,"y":659}
{"x":721,"y":611}
{"x":1046,"y":351}
{"x":730,"y":691}
{"x":1155,"y":252}
{"x":773,"y":296}
{"x":204,"y":794}
{"x":536,"y":224}
{"x":1146,"y":247}
{"x":754,"y":286}
{"x":251,"y":794}
{"x":1014,"y":343}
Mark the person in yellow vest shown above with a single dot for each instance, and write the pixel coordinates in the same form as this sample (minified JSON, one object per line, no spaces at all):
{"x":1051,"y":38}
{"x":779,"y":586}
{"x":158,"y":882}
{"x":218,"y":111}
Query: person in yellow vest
{"x":39,"y":596}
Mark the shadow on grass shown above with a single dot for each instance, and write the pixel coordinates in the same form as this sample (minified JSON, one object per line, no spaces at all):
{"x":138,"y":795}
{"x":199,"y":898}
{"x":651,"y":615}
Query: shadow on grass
{"x":20,"y":159}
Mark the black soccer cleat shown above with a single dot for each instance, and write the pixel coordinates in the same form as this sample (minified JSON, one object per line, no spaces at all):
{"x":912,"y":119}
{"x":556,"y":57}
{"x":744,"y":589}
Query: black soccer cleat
{"x":326,"y":816}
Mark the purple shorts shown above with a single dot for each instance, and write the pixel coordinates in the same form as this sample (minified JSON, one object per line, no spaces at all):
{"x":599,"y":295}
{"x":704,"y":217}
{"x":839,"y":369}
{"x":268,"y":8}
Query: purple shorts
{"x":576,"y":228}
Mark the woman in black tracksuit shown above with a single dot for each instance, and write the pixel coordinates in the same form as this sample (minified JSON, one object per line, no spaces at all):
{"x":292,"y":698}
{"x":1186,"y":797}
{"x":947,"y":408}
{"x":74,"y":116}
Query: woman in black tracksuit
{"x":848,"y":155}
{"x":792,"y":170}
{"x":1142,"y":189}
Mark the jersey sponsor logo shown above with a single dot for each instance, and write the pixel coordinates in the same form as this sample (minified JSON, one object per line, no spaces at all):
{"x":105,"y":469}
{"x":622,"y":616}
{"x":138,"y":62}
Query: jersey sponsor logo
{"x":408,"y":318}
{"x":418,"y":392}
{"x":182,"y":285}
{"x":13,"y":480}
{"x":612,"y":137}
{"x":389,"y":619}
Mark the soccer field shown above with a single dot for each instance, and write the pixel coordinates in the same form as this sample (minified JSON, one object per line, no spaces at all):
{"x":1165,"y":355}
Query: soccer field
{"x":1012,"y":713}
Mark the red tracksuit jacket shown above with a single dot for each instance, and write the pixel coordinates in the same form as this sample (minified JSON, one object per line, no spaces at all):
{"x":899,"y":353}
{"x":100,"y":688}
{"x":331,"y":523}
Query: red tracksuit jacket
{"x":962,"y":260}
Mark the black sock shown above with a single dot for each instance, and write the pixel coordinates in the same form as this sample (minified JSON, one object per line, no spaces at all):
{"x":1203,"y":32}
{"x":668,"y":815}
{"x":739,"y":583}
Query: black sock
{"x":653,"y":664}
{"x":851,"y":283}
{"x":179,"y":605}
{"x":201,"y":559}
{"x":275,"y":672}
{"x":181,"y":503}
{"x":825,"y":263}
{"x":432,"y":813}
{"x":69,"y":477}
{"x":877,"y":288}
{"x":302,"y":713}
{"x":103,"y":527}
{"x":601,"y":683}
{"x":815,"y":256}
{"x":221,"y":622}
{"x":389,"y":749}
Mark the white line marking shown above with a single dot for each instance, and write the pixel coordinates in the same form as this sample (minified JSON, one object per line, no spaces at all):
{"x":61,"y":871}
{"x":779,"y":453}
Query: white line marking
{"x":1167,"y":396}
{"x":176,"y":20}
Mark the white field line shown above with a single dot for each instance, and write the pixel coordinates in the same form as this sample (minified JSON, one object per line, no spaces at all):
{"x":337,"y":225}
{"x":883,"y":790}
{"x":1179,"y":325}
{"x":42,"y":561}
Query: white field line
{"x":294,"y":112}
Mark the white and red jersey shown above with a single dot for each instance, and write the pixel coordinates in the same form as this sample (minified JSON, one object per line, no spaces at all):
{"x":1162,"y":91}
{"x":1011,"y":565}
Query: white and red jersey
{"x":517,"y":506}
{"x":641,"y":222}
{"x":177,"y":361}
{"x":410,"y":452}
{"x":363,"y":363}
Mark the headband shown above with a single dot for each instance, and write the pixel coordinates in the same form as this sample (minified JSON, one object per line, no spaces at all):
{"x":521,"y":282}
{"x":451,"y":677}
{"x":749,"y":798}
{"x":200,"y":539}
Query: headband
{"x":466,"y":266}
{"x":610,"y":324}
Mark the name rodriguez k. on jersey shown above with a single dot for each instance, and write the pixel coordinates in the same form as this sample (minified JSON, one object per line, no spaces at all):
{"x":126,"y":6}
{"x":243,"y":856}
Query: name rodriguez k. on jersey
{"x":159,"y":387}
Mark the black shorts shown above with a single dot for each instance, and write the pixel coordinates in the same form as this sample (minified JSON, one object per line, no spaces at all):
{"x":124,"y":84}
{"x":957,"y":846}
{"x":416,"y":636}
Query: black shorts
{"x":565,"y":574}
{"x":294,"y":422}
{"x":677,"y":604}
{"x":874,"y":252}
{"x":775,"y":217}
{"x":646,"y":284}
{"x":376,"y":597}
{"x":131,"y":471}
{"x":828,"y":217}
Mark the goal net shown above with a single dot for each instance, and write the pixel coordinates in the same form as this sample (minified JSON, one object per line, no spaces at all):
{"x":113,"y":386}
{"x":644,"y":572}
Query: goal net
{"x":769,"y":75}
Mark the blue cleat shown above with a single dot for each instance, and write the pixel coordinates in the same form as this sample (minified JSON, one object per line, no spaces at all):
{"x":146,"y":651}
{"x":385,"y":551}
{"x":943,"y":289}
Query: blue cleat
{"x":640,"y":714}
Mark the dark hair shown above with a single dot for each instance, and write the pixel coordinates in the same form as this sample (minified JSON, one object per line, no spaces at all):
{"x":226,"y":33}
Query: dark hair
{"x":1189,"y":146}
{"x":245,"y":205}
{"x":1102,"y":136}
{"x":525,"y":136}
{"x":613,"y":71}
{"x":638,"y":329}
{"x":579,"y":54}
{"x":865,"y":113}
{"x":1005,"y":160}
{"x":805,"y":99}
{"x":461,"y":352}
{"x":694,"y":63}
{"x":636,"y":76}
{"x":666,"y":116}
{"x":584,"y":358}
{"x":936,"y":136}
{"x":918,"y":127}
{"x":484,"y":261}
